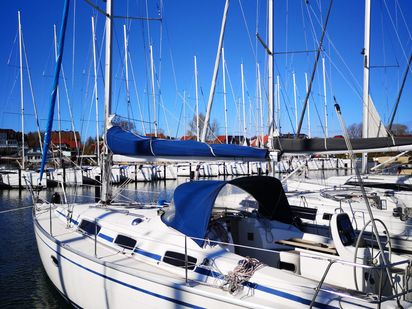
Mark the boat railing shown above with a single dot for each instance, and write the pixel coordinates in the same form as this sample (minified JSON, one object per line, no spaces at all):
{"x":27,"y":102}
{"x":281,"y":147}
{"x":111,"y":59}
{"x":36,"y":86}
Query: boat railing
{"x":354,"y":294}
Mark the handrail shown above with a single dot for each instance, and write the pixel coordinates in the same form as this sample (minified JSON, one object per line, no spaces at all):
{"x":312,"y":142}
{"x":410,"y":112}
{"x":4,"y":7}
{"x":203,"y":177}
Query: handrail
{"x":317,"y":290}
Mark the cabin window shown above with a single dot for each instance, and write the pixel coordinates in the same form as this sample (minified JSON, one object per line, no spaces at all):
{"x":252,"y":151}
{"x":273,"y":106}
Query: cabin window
{"x":327,"y":216}
{"x":250,"y":236}
{"x":125,"y":242}
{"x":178,"y":259}
{"x":137,"y":221}
{"x":89,"y":227}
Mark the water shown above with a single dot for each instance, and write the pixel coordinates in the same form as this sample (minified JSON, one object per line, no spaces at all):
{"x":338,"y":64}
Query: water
{"x":23,"y":282}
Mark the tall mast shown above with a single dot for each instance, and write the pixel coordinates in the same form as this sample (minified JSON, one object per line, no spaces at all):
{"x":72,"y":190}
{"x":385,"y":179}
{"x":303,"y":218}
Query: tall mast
{"x":21,"y":91}
{"x":96,"y":95}
{"x":260,"y":106}
{"x":308,"y":105}
{"x":106,"y":169}
{"x":215,"y":71}
{"x":243,"y":103}
{"x":309,"y":88}
{"x":153,"y":91}
{"x":326,"y":100}
{"x":59,"y":122}
{"x":126,"y":72}
{"x":270,"y":73}
{"x":197,"y":103}
{"x":278,"y":106}
{"x":184,"y":112}
{"x":224,"y":92}
{"x":294,"y":98}
{"x":366,"y":50}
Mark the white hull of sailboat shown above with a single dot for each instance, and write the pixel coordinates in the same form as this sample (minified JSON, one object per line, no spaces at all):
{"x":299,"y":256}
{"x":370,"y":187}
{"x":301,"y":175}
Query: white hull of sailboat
{"x":12,"y":180}
{"x":110,"y":278}
{"x":88,"y":283}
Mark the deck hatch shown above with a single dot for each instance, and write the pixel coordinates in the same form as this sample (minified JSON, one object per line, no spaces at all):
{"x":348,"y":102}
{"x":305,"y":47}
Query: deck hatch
{"x":89,"y":227}
{"x":125,"y":242}
{"x":178,"y":259}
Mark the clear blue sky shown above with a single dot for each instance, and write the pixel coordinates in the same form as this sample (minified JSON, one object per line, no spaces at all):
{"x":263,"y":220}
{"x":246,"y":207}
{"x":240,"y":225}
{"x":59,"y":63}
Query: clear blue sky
{"x":191,"y":27}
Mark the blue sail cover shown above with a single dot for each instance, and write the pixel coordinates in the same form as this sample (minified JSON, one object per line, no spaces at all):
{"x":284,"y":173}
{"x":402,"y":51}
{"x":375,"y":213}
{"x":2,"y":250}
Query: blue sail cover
{"x":193,"y":207}
{"x":126,"y":143}
{"x":194,"y":201}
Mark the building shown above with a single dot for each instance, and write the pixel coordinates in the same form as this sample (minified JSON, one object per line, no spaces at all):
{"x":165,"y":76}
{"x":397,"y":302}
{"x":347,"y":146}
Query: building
{"x":68,"y":140}
{"x":10,"y":141}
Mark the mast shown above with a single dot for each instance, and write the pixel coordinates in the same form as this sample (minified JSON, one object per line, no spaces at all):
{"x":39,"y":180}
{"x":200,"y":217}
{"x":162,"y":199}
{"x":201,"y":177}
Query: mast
{"x":302,"y":115}
{"x":294,"y":98}
{"x":21,"y":91}
{"x":59,"y":123}
{"x":215,"y":71}
{"x":126,"y":72}
{"x":224,"y":92}
{"x":197,"y":103}
{"x":153,"y":91}
{"x":106,"y":168}
{"x":366,"y":46}
{"x":96,"y":95}
{"x":184,"y":113}
{"x":270,"y":74}
{"x":326,"y":100}
{"x":306,"y":80}
{"x":260,"y":106}
{"x":243,"y":103}
{"x":278,"y":106}
{"x":405,"y":75}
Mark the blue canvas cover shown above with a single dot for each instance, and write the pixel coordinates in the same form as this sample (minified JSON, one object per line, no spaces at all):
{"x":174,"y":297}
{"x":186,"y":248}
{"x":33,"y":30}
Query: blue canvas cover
{"x":126,"y":143}
{"x":194,"y":201}
{"x":193,"y":207}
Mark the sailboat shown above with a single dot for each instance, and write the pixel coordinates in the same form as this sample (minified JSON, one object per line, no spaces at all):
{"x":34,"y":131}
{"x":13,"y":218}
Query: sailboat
{"x":183,"y":254}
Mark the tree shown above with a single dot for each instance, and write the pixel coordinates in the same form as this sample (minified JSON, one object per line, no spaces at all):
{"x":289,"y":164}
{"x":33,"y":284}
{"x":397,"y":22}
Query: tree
{"x":123,"y":123}
{"x":211,"y":132}
{"x":399,"y":129}
{"x":90,"y":146}
{"x":355,"y":130}
{"x":32,"y":140}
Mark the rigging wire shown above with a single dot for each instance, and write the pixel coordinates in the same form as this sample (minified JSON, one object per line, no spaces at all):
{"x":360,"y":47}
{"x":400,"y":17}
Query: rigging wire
{"x":137,"y":94}
{"x":12,"y":49}
{"x":397,"y":33}
{"x":74,"y":41}
{"x":247,"y":30}
{"x":32,"y":95}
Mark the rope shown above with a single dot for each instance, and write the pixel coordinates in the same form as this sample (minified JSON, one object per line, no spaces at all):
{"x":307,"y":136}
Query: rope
{"x":15,"y":209}
{"x":236,"y":279}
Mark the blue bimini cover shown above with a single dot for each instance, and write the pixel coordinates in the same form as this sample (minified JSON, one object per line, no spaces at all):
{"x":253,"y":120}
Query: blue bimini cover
{"x":194,"y":201}
{"x":126,"y":143}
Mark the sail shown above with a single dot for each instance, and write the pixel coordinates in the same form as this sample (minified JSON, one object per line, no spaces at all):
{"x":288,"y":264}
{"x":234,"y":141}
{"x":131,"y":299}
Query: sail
{"x":376,"y":128}
{"x":47,"y":134}
{"x":338,"y":145}
{"x":126,"y":143}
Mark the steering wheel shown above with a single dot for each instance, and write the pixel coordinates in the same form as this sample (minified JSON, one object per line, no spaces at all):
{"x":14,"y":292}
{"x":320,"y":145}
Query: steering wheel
{"x":375,"y":254}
